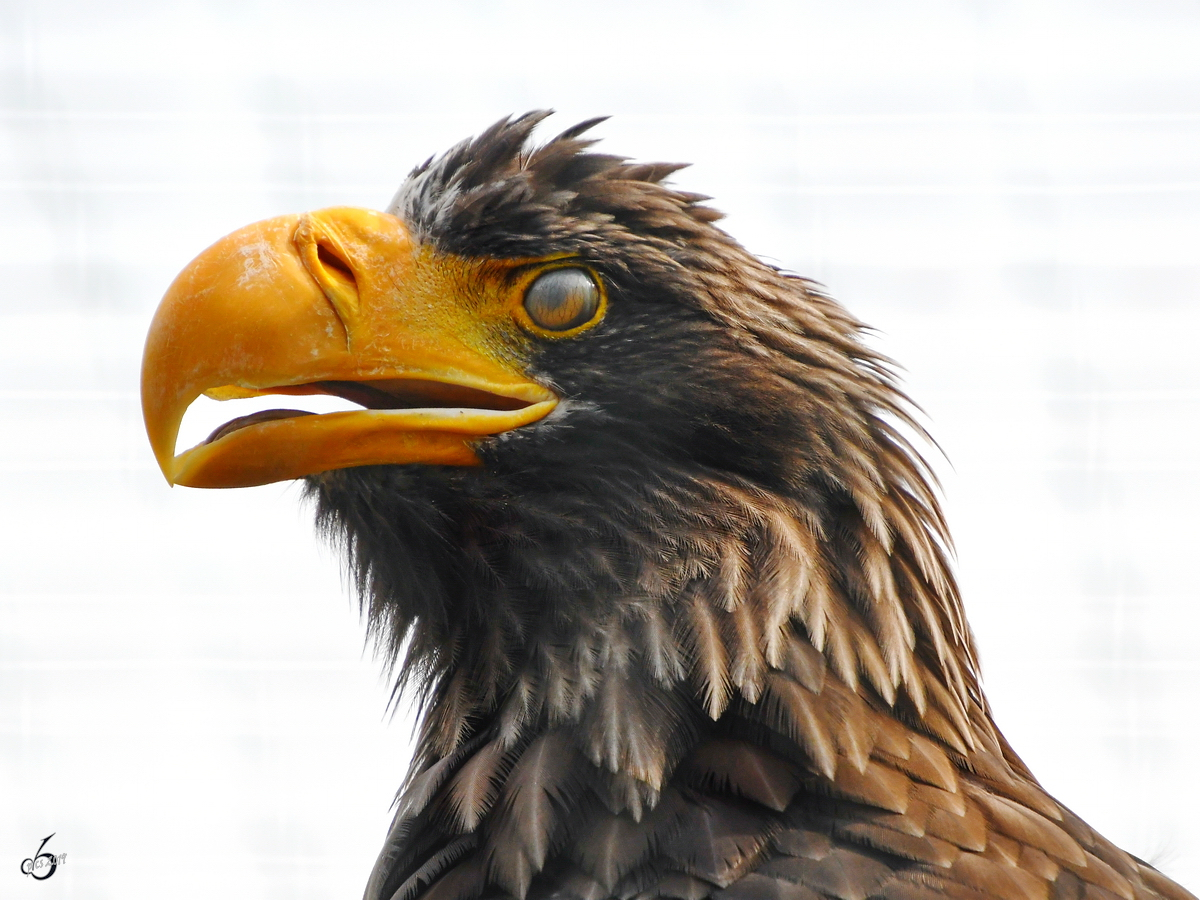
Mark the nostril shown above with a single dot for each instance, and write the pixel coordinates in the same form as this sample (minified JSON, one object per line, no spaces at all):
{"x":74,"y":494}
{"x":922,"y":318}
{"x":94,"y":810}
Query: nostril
{"x":330,"y":260}
{"x":331,"y":265}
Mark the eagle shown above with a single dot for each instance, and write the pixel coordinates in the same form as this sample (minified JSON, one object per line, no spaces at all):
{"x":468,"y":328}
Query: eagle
{"x":641,"y":523}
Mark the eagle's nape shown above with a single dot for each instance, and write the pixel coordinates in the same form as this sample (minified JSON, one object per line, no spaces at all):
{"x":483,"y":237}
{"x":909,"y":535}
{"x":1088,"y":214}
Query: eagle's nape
{"x":676,"y":600}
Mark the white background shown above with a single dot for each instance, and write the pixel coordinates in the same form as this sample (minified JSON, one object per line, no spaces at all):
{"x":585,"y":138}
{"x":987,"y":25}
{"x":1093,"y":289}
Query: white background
{"x":1008,"y":191}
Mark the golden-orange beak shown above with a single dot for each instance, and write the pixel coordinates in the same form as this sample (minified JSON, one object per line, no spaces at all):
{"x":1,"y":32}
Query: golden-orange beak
{"x":342,"y":302}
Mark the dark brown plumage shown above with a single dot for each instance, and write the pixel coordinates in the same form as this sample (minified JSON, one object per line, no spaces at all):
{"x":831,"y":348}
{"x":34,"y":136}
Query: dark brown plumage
{"x":695,"y":634}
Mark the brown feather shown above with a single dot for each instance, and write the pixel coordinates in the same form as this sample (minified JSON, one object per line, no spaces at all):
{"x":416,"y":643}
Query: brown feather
{"x":435,"y":866}
{"x":794,"y":712}
{"x":996,"y":880}
{"x":707,"y":651}
{"x":475,"y":785}
{"x":717,"y":842}
{"x":463,"y":882}
{"x":1100,"y":874}
{"x":756,"y":886}
{"x":611,"y":846}
{"x":743,"y":770}
{"x":968,"y":829}
{"x":1029,"y":828}
{"x":876,"y":786}
{"x":918,"y":848}
{"x":532,"y":810}
{"x":841,"y":873}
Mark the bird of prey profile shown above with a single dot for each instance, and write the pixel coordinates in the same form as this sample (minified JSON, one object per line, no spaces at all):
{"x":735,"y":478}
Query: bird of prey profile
{"x":635,"y":516}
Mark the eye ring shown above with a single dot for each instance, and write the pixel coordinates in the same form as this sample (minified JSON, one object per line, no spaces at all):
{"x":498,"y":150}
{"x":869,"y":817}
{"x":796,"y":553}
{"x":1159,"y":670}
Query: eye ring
{"x":564,"y":299}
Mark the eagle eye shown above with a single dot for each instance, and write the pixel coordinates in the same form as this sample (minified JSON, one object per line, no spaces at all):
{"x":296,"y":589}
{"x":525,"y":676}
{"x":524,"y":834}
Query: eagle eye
{"x":562,"y":299}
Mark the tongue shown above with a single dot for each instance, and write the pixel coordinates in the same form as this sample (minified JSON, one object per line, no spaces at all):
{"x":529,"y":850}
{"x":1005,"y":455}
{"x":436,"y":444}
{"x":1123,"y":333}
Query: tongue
{"x":265,"y":416}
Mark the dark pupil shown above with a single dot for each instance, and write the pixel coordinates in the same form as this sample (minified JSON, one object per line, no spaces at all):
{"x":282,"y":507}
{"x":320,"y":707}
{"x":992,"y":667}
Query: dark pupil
{"x":562,"y":299}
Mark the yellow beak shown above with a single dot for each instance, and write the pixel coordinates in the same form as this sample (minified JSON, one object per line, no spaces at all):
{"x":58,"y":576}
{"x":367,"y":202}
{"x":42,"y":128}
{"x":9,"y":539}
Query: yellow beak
{"x":339,"y":301}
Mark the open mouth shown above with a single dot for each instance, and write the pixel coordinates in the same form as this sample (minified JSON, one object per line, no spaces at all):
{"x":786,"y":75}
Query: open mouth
{"x":346,"y":423}
{"x":329,"y":397}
